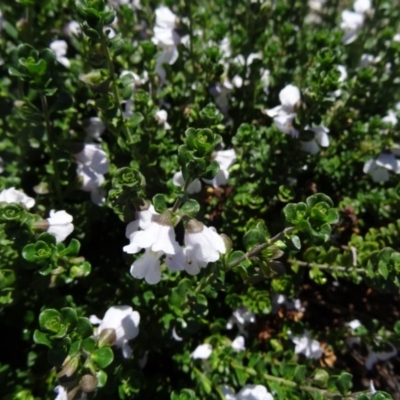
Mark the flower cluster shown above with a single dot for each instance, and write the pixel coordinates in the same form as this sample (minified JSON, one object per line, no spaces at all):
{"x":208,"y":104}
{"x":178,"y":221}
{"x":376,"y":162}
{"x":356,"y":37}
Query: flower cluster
{"x":157,"y":237}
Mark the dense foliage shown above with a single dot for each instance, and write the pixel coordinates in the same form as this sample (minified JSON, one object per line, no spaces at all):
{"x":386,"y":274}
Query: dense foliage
{"x":250,"y":149}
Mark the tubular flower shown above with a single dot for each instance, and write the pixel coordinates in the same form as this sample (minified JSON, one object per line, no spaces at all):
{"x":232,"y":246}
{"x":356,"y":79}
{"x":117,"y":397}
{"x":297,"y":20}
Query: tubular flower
{"x":119,"y":325}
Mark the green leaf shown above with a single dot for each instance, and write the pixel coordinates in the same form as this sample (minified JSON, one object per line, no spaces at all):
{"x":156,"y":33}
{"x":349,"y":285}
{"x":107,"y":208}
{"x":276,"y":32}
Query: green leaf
{"x":63,"y":102}
{"x":211,"y":170}
{"x":101,"y":378}
{"x":48,"y":238}
{"x":75,"y":348}
{"x":383,"y":269}
{"x":69,"y":317}
{"x":89,"y":344}
{"x":29,"y":253}
{"x":253,"y":238}
{"x":318,"y":198}
{"x":320,"y":378}
{"x":50,"y":320}
{"x":84,"y":328}
{"x":160,"y":202}
{"x":344,"y":382}
{"x":381,"y":396}
{"x":72,"y":250}
{"x":294,"y":213}
{"x":300,"y":374}
{"x":397,"y":327}
{"x":41,"y":338}
{"x":103,"y":357}
{"x":135,"y":119}
{"x":191,"y":207}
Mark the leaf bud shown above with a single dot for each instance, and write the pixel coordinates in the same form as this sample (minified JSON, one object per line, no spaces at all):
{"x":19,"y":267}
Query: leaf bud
{"x":88,"y":383}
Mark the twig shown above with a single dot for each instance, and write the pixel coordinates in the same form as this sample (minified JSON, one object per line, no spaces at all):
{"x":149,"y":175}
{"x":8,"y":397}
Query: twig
{"x":258,"y":249}
{"x":52,"y":147}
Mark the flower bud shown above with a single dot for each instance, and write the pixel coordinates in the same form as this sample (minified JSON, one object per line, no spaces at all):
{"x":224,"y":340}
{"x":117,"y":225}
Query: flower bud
{"x":193,"y":226}
{"x":88,"y":383}
{"x":69,"y":366}
{"x":164,"y":219}
{"x":41,"y":226}
{"x":107,"y":336}
{"x":227,"y":240}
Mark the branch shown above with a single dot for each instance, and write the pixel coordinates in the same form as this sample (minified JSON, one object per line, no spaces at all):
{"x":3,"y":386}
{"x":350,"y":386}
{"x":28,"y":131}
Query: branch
{"x":258,"y":249}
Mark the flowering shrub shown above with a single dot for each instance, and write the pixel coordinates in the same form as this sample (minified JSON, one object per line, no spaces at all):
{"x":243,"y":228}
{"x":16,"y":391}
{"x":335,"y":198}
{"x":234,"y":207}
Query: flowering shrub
{"x":199,"y":200}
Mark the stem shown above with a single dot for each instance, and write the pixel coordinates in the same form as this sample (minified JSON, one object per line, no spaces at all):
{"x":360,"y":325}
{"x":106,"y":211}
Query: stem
{"x":326,"y":267}
{"x":191,"y":73}
{"x":258,"y":249}
{"x":114,"y":86}
{"x":52,"y":147}
{"x":178,"y":201}
{"x":307,"y":388}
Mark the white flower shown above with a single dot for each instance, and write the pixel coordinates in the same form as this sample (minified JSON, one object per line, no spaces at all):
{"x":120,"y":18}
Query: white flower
{"x":241,"y":317}
{"x":61,"y":393}
{"x":161,"y":117}
{"x":194,"y":186}
{"x":59,"y":48}
{"x":354,"y":324}
{"x":94,"y":129}
{"x":206,"y":244}
{"x":321,"y":140}
{"x":92,"y":164}
{"x":343,"y":76}
{"x":165,"y":18}
{"x":378,"y":168}
{"x":353,"y":21}
{"x":390,"y":118}
{"x":148,"y":267}
{"x":143,"y":219}
{"x":184,"y":260}
{"x":130,"y":3}
{"x":203,"y":245}
{"x":362,"y":6}
{"x":265,"y":79}
{"x":225,"y":158}
{"x":202,"y":352}
{"x":249,"y":392}
{"x":167,"y":56}
{"x":12,"y":195}
{"x":372,"y":387}
{"x":60,"y":225}
{"x":284,"y":114}
{"x":125,"y":323}
{"x":94,"y":157}
{"x":221,"y":93}
{"x":282,"y":300}
{"x":305,"y":345}
{"x":228,"y":393}
{"x":374,"y":357}
{"x":158,"y":236}
{"x":176,"y":336}
{"x":254,"y":392}
{"x":91,"y":182}
{"x":238,"y":344}
{"x":167,"y":38}
{"x":73,"y":28}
